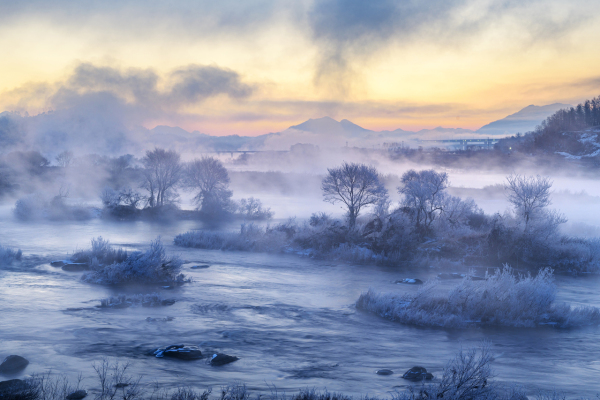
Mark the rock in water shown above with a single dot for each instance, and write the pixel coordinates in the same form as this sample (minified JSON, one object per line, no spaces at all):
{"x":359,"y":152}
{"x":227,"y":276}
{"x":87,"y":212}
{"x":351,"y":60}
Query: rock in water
{"x":57,"y":263}
{"x":384,"y":372}
{"x":77,"y":395}
{"x":417,"y":374}
{"x":75,"y":267}
{"x":222,"y":359}
{"x":410,"y":281}
{"x":200,"y":266}
{"x":180,"y":352}
{"x":12,"y":364}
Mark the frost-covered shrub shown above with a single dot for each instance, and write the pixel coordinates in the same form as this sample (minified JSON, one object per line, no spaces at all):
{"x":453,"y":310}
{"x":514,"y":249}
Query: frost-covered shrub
{"x":252,"y":209}
{"x":101,"y":253}
{"x":503,"y":299}
{"x":507,"y":242}
{"x":8,"y":256}
{"x":200,"y":239}
{"x":251,"y":237}
{"x":150,"y":266}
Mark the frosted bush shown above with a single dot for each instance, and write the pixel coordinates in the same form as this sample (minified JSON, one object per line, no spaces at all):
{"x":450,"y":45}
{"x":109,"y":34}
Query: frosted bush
{"x":101,"y":253}
{"x":252,"y":209}
{"x":150,"y":266}
{"x":200,"y":240}
{"x":354,"y":253}
{"x":8,"y":256}
{"x":503,"y":299}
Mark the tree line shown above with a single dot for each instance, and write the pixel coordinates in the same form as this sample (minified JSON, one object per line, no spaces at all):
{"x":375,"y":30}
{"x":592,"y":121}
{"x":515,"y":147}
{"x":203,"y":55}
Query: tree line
{"x":549,"y":135}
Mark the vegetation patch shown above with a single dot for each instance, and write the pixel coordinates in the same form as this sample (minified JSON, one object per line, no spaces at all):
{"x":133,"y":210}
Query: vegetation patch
{"x":502,"y":299}
{"x":111,"y":266}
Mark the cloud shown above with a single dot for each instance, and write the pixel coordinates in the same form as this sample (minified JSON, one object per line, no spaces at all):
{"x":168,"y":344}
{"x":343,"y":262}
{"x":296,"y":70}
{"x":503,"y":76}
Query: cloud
{"x":347,"y":31}
{"x":95,"y":107}
{"x":195,"y":83}
{"x":191,"y":18}
{"x":139,"y":90}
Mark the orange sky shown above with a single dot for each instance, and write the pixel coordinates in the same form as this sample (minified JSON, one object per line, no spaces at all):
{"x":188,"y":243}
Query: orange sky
{"x":262,"y":66}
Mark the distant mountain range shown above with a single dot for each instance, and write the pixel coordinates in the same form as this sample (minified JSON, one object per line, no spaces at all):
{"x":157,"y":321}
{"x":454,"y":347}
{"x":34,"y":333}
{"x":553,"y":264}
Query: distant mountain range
{"x":523,"y":121}
{"x":328,"y":131}
{"x":51,"y":133}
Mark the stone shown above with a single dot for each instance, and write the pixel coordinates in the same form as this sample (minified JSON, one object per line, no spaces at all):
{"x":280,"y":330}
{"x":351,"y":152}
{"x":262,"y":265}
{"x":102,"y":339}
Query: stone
{"x":77,"y":395}
{"x":200,"y":266}
{"x":384,"y":372}
{"x":75,"y":267}
{"x":222,"y":359}
{"x":417,"y":374}
{"x":410,"y":281}
{"x":57,"y":263}
{"x":180,"y":352}
{"x":12,"y":364}
{"x":168,"y":302}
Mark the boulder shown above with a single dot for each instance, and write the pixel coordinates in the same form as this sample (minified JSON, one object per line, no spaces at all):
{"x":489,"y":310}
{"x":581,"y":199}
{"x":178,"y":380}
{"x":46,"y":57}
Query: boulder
{"x":168,"y":302}
{"x":57,"y":263}
{"x":12,"y":364}
{"x":77,"y":395}
{"x":384,"y":372}
{"x":75,"y":267}
{"x":410,"y":281}
{"x":179,"y":351}
{"x":417,"y":374}
{"x":222,"y":359}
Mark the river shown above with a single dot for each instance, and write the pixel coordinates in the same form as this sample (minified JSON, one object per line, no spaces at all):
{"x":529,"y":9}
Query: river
{"x":290,"y":319}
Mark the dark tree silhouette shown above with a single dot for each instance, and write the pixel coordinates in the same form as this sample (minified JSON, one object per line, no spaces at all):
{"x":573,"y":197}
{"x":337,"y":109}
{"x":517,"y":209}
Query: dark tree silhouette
{"x":210,"y":179}
{"x":354,"y":185}
{"x":161,"y":175}
{"x":424,"y":195}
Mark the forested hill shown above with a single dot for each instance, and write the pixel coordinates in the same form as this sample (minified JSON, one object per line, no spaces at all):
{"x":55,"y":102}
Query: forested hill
{"x":572,"y":133}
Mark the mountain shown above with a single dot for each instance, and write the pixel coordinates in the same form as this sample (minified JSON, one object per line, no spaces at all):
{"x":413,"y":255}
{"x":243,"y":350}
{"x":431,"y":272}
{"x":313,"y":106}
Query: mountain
{"x":53,"y":132}
{"x":330,"y":126}
{"x":522,"y":121}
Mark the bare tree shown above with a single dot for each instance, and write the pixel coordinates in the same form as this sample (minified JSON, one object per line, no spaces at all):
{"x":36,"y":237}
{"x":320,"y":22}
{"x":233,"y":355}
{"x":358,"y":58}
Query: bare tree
{"x":424,"y":195}
{"x":354,"y":185}
{"x":210,"y":178}
{"x":161,"y":175}
{"x":529,"y":195}
{"x":64,"y":159}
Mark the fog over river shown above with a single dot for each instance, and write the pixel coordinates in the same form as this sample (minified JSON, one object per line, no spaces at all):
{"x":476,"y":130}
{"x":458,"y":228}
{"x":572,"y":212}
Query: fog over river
{"x":290,"y":319}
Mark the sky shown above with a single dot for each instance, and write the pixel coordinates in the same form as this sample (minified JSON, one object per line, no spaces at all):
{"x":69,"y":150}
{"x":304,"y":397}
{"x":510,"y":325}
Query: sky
{"x":260,"y":66}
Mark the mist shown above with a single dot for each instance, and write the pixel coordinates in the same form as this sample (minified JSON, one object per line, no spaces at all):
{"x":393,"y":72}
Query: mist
{"x":168,"y":234}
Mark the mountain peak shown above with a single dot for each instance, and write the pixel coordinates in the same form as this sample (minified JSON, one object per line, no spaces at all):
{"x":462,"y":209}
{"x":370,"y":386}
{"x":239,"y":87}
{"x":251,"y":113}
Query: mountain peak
{"x":522,"y":121}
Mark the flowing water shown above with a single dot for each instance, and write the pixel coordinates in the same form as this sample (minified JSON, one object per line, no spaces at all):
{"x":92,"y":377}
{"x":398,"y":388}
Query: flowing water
{"x":291,"y":320}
